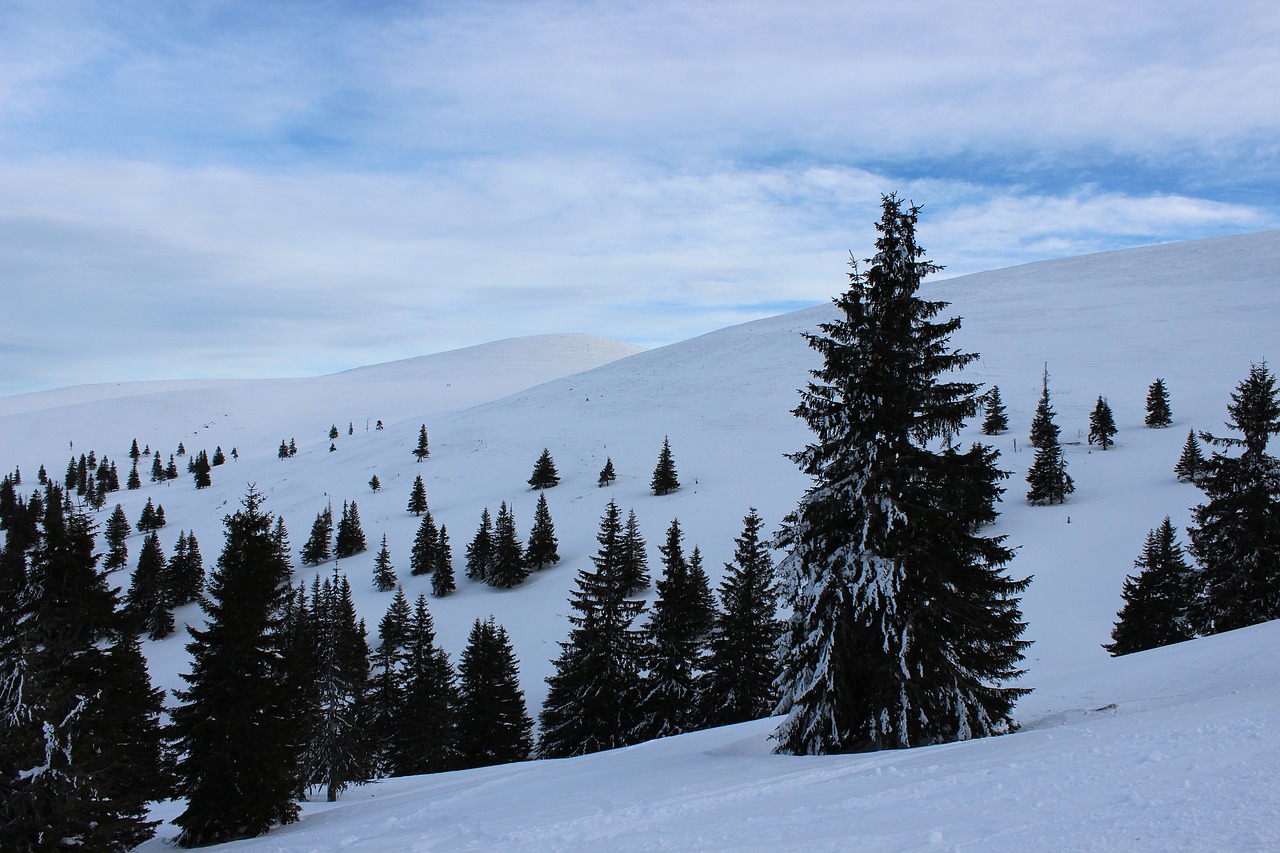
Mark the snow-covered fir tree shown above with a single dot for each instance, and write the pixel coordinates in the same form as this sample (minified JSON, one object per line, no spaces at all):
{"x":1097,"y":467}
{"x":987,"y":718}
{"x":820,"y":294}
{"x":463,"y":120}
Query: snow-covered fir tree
{"x":493,"y":724}
{"x":184,"y":576}
{"x":1047,"y":478}
{"x":1044,"y":430}
{"x":1156,"y":597}
{"x":607,"y":474}
{"x":422,"y":450}
{"x":389,"y":676}
{"x":115,"y":533}
{"x":905,"y":629}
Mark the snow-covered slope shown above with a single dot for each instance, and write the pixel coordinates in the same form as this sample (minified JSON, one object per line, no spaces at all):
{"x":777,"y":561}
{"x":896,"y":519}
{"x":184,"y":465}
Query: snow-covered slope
{"x":1195,"y":314}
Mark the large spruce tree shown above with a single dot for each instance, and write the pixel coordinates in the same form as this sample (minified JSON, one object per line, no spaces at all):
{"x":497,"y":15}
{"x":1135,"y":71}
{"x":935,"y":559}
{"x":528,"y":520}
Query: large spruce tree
{"x":665,"y":480}
{"x":545,"y":475}
{"x":543,"y":547}
{"x":507,"y":567}
{"x":1158,"y":412}
{"x":904,"y":628}
{"x":425,"y":735}
{"x":1156,"y":598}
{"x":1102,"y":425}
{"x":349,"y":539}
{"x":1235,"y":536}
{"x":317,"y":548}
{"x":390,"y":666}
{"x":237,"y":728}
{"x":493,"y":725}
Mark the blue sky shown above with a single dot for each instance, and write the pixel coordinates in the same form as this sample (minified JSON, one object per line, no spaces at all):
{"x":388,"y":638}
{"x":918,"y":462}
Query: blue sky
{"x":273,"y":189}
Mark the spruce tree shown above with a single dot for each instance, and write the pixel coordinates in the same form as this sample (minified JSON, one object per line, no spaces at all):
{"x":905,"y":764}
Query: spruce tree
{"x":375,"y":484}
{"x":135,"y":481}
{"x":389,"y":676}
{"x":134,"y":453}
{"x":507,"y":568}
{"x":1102,"y":425}
{"x":607,"y":474}
{"x":1156,"y":598}
{"x":1044,"y":431}
{"x":147,"y":520}
{"x":218,"y":457}
{"x":116,"y":531}
{"x":493,"y":725}
{"x":157,"y":469}
{"x":904,"y":629}
{"x":480,"y":551}
{"x":593,"y":697}
{"x":442,"y":581}
{"x":664,"y":480}
{"x":418,"y":496}
{"x":425,"y":739}
{"x":422,"y":556}
{"x":743,"y":664}
{"x":200,"y":470}
{"x":633,"y":575}
{"x":147,"y":603}
{"x":543,"y":547}
{"x":384,"y":574}
{"x":333,"y":432}
{"x":237,"y":728}
{"x":350,"y":537}
{"x":422,"y":451}
{"x":544,"y":474}
{"x":997,"y":420}
{"x":675,"y":641}
{"x":283,"y":452}
{"x":1048,"y":478}
{"x":171,"y":470}
{"x":1235,"y":536}
{"x":317,"y":550}
{"x":1158,"y":412}
{"x":1191,"y":463}
{"x":184,"y":577}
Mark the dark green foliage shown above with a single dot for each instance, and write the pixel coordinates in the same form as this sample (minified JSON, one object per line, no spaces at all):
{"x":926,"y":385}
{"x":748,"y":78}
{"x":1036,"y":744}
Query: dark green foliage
{"x":1156,"y":598}
{"x":390,"y":667}
{"x":1048,"y":478}
{"x":171,"y":470}
{"x":238,"y":727}
{"x":350,"y":537}
{"x":1044,"y":431}
{"x":543,"y":547}
{"x":607,"y":474}
{"x":182,"y":449}
{"x":374,"y":483}
{"x":317,"y":550}
{"x":507,"y":567}
{"x":743,"y":665}
{"x":150,"y":519}
{"x":422,"y":451}
{"x":593,"y":697}
{"x":1102,"y":425}
{"x":147,"y":604}
{"x":157,"y":469}
{"x":200,"y":470}
{"x":664,"y":480}
{"x":904,"y":629}
{"x":425,"y":734}
{"x":384,"y":574}
{"x":333,"y":432}
{"x":480,"y":551}
{"x":493,"y":725}
{"x":997,"y":420}
{"x":184,"y":578}
{"x":544,"y":474}
{"x":115,"y":533}
{"x":218,"y":457}
{"x":418,"y":496}
{"x":1158,"y":412}
{"x":135,"y":481}
{"x":134,"y":453}
{"x":422,"y":557}
{"x":283,"y":452}
{"x":1235,"y":536}
{"x":676,"y":637}
{"x":633,"y":572}
{"x":1191,"y":463}
{"x":442,"y":581}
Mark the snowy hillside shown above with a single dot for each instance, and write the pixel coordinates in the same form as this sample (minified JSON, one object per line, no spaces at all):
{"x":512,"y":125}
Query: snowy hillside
{"x":1195,"y":314}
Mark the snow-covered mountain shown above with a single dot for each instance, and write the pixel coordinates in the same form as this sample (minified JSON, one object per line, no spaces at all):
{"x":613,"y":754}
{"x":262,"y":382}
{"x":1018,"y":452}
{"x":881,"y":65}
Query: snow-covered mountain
{"x":1162,"y":750}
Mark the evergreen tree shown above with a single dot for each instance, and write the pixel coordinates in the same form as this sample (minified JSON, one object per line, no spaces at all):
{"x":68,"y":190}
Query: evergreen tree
{"x":1048,"y":478}
{"x":442,"y":582}
{"x":676,"y":636}
{"x":493,"y":725}
{"x":157,"y":469}
{"x":293,"y":448}
{"x":480,"y":551}
{"x":607,"y":474}
{"x":116,"y":531}
{"x":1158,"y":412}
{"x":1235,"y":536}
{"x":418,"y":497}
{"x":422,"y":451}
{"x":135,"y":481}
{"x":350,"y":539}
{"x":904,"y":630}
{"x":997,"y":420}
{"x":1155,"y":598}
{"x":147,"y":604}
{"x":185,"y":573}
{"x":238,"y":730}
{"x":333,"y":432}
{"x":508,"y":567}
{"x":592,"y":701}
{"x":218,"y":457}
{"x":147,"y":521}
{"x":374,"y":483}
{"x":389,"y":676}
{"x":134,"y":453}
{"x":425,"y":739}
{"x":544,"y":474}
{"x":384,"y":574}
{"x":171,"y":470}
{"x":543,"y":547}
{"x":316,"y":550}
{"x":200,"y":470}
{"x":633,"y":574}
{"x":182,"y":449}
{"x":283,"y":452}
{"x":422,"y":557}
{"x":1191,"y":463}
{"x":1102,"y":426}
{"x":664,"y":479}
{"x":743,"y":664}
{"x":1044,"y":431}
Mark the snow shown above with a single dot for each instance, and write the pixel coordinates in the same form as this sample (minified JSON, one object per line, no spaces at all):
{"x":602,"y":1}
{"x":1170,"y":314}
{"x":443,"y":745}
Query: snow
{"x":1184,"y":759}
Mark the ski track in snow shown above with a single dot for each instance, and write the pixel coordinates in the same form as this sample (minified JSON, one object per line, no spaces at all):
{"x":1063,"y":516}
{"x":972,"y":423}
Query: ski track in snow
{"x":1184,"y":760}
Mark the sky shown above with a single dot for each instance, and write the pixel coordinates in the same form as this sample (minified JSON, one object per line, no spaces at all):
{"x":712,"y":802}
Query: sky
{"x":246,"y":189}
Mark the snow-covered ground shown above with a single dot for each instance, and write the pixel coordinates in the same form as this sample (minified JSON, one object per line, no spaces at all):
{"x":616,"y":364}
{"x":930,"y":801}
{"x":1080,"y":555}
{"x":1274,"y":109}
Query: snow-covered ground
{"x":1195,"y":314}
